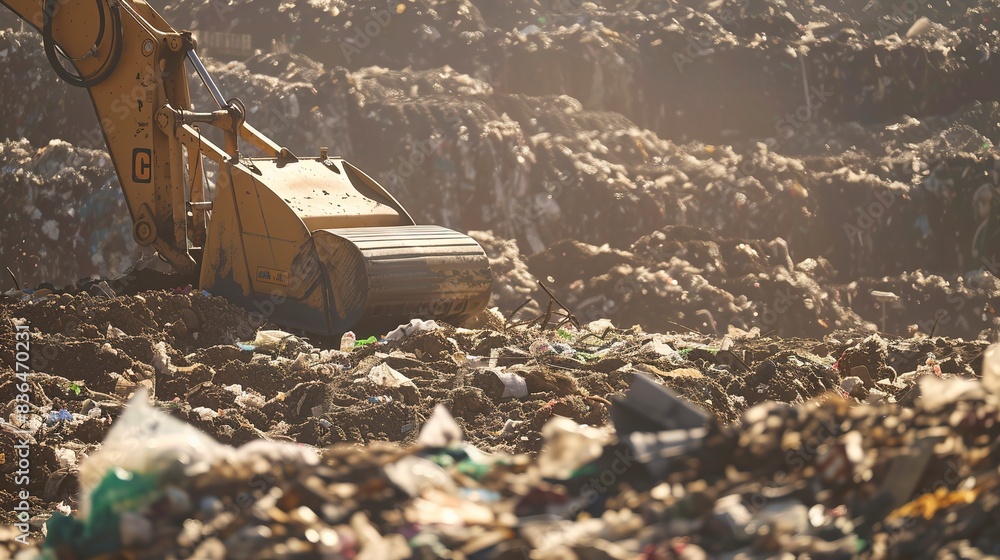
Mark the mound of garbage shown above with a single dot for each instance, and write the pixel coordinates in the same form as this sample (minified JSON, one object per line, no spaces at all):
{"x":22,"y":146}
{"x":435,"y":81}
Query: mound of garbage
{"x":64,"y":215}
{"x":552,"y":438}
{"x":794,"y":62}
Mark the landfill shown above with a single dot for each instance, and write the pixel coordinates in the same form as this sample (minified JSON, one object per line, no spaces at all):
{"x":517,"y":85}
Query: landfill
{"x":738,"y":472}
{"x":745,"y":258}
{"x":819,"y":203}
{"x":171,"y":425}
{"x":64,"y":214}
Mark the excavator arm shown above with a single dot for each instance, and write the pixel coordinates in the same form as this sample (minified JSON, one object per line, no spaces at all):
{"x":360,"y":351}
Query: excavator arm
{"x":311,"y":243}
{"x":132,"y":63}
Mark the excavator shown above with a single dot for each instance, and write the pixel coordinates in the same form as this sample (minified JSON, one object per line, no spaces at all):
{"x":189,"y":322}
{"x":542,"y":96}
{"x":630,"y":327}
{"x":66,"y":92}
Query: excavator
{"x":312,"y":243}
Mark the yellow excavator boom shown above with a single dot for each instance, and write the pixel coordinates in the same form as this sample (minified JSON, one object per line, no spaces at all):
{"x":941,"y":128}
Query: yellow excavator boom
{"x":311,"y":243}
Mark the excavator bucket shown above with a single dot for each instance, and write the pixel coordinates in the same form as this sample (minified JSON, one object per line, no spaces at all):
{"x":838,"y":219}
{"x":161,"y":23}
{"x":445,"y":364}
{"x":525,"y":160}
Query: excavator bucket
{"x":317,"y":245}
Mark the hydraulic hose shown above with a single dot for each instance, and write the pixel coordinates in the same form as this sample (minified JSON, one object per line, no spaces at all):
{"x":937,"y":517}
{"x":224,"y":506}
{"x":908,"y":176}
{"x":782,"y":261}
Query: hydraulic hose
{"x":107,"y":67}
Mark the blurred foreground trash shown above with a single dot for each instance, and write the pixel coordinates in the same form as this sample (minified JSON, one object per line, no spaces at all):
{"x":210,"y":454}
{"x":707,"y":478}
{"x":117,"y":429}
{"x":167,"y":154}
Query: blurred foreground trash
{"x":827,"y":478}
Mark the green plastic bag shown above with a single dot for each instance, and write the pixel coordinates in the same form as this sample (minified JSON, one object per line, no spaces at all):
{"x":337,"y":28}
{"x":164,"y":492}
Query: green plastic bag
{"x":118,"y":492}
{"x":143,"y":451}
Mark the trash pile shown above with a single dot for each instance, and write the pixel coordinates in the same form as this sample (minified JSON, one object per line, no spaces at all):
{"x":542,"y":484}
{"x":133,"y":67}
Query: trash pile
{"x":687,"y":278}
{"x":457,"y":151}
{"x":677,"y":277}
{"x":839,"y":61}
{"x":607,"y":142}
{"x":172,"y":425}
{"x":544,"y":428}
{"x":795,"y":62}
{"x":418,"y":33}
{"x":513,"y":285}
{"x":64,"y":217}
{"x":37,"y":105}
{"x":713,"y":285}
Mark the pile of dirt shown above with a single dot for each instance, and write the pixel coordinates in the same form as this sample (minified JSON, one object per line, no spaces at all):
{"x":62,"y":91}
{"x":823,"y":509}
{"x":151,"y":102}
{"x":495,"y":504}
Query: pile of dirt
{"x":185,"y":348}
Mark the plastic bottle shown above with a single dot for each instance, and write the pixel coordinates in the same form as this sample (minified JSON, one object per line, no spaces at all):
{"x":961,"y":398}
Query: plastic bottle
{"x":347,"y":341}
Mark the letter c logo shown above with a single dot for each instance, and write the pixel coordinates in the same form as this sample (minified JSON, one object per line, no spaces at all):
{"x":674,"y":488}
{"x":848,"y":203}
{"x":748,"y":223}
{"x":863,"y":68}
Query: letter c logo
{"x":142,"y":165}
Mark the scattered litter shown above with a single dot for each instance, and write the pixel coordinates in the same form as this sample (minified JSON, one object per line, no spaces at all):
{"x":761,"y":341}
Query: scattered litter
{"x":366,"y":342}
{"x":440,"y":430}
{"x":568,"y":447}
{"x":278,"y":342}
{"x":161,"y":361}
{"x":57,"y":416}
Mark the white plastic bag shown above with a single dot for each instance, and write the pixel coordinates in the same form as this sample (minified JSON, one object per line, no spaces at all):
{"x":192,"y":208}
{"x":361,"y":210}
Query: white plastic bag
{"x":568,"y":446}
{"x":384,"y":376}
{"x":991,"y":369}
{"x":414,"y":326}
{"x":146,"y":440}
{"x":441,"y":430}
{"x":513,"y":384}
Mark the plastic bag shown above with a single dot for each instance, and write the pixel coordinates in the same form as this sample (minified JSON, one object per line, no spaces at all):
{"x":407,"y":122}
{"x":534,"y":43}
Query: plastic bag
{"x":991,"y":369}
{"x":441,"y":430}
{"x":513,"y":384}
{"x":384,"y":376}
{"x":348,"y":341}
{"x":161,"y":360}
{"x":145,"y":441}
{"x":143,"y":451}
{"x":415,"y":474}
{"x":276,"y":341}
{"x":568,"y":446}
{"x":413,"y":327}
